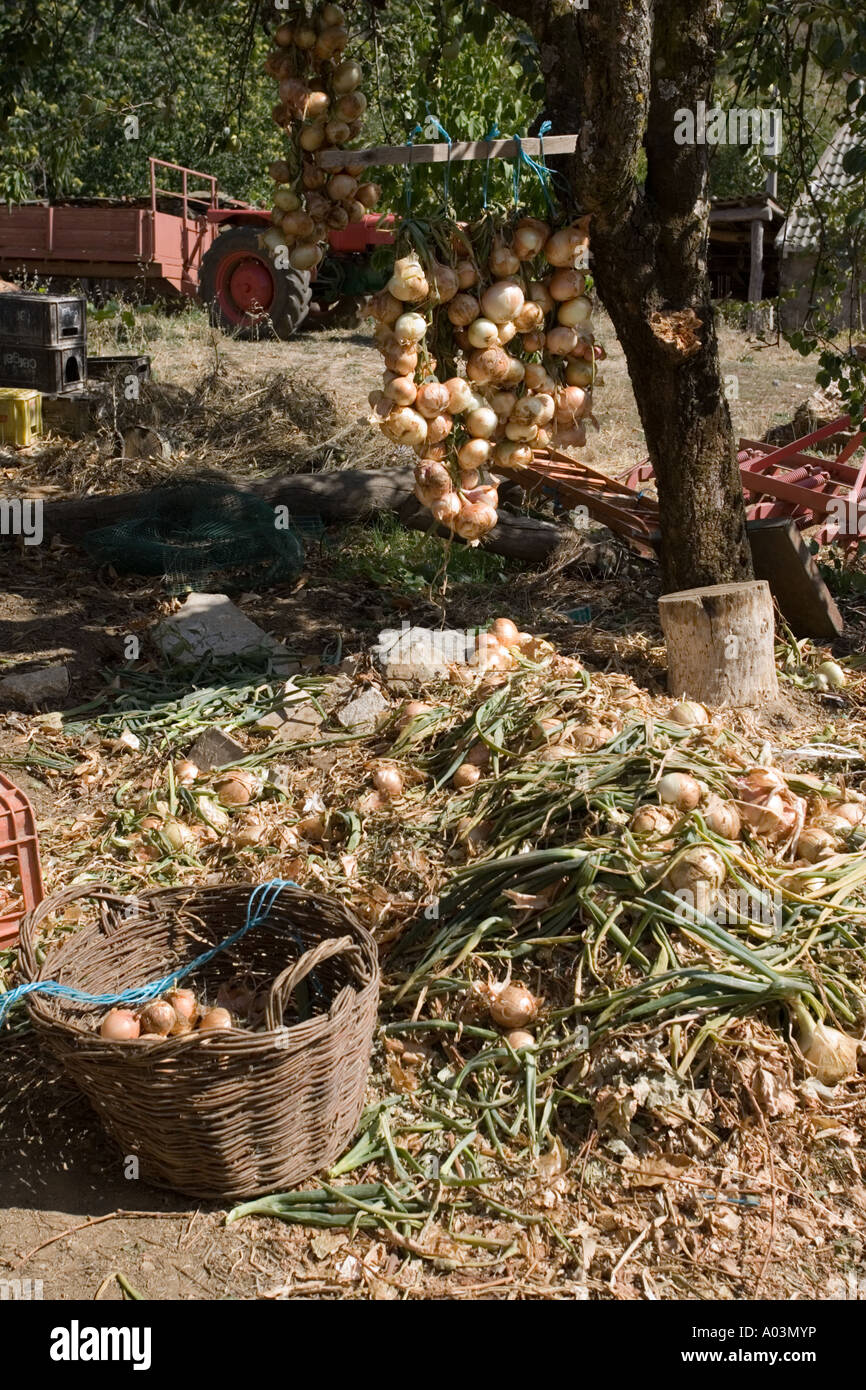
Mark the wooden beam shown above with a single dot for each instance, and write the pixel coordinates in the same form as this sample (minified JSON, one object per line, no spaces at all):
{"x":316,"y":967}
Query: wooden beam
{"x":756,"y":214}
{"x":438,"y":154}
{"x":756,"y":263}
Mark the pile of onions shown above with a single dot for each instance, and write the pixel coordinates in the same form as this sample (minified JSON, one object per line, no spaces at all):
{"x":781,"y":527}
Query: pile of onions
{"x":320,"y":107}
{"x":514,"y":333}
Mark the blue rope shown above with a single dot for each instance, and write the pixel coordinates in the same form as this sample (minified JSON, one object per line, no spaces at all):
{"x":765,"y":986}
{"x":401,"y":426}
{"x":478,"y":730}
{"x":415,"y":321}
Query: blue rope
{"x":492,"y":134}
{"x":259,"y":905}
{"x":542,"y":173}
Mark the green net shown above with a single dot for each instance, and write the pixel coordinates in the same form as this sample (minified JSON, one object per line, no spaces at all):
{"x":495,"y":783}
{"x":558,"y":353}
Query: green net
{"x":204,"y":538}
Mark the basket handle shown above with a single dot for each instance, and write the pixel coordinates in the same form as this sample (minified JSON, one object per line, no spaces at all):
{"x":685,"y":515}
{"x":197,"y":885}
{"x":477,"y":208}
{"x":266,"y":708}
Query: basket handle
{"x":286,"y":982}
{"x":102,"y":892}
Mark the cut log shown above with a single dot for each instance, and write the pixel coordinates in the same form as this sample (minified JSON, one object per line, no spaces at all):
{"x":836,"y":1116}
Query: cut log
{"x":342,"y":496}
{"x":720,"y":644}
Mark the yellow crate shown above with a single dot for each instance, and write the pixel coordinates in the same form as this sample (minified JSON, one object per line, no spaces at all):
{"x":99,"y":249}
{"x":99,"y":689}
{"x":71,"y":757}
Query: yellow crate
{"x":20,"y":415}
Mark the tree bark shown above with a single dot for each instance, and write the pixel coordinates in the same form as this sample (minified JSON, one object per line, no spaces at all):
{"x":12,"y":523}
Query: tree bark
{"x":720,"y":643}
{"x":617,"y":73}
{"x":341,"y":496}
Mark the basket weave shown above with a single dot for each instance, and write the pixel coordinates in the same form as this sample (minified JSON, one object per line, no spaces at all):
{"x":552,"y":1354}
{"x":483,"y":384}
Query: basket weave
{"x":216,"y":1114}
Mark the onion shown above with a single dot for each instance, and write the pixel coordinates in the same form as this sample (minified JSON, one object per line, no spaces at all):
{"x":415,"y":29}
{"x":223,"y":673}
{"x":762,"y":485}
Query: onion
{"x":505,"y":631}
{"x":331,"y":40}
{"x":119,"y":1025}
{"x":653,"y":820}
{"x":433,"y":397}
{"x":369,"y":194}
{"x":474,"y":520}
{"x":463,"y":310}
{"x":158,"y":1017}
{"x":467,"y":274}
{"x":402,"y":363}
{"x":445,"y":509}
{"x":473,"y":454}
{"x":313,"y":178}
{"x":722,"y":817}
{"x":410,"y":329}
{"x":312,"y":137}
{"x":237,"y":788}
{"x":185,"y":772}
{"x":491,"y":364}
{"x":512,"y":1005}
{"x":538,"y":378}
{"x":571,"y":403}
{"x":298,"y":224}
{"x":566,"y":284}
{"x":466,"y":775}
{"x":833,"y":674}
{"x":519,"y":1038}
{"x":175,"y":834}
{"x":284,"y":36}
{"x":502,"y":403}
{"x":813,"y":844}
{"x":503,"y":260}
{"x":689,"y":714}
{"x":401,"y":389}
{"x":561,"y":341}
{"x":305,"y":256}
{"x":413,"y":710}
{"x":514,"y":371}
{"x":304,"y":37}
{"x":433,"y":478}
{"x":507,"y":331}
{"x":408,"y":282}
{"x":279,"y":171}
{"x":774,"y":818}
{"x":351,"y":106}
{"x":511,"y":453}
{"x":529,"y":237}
{"x":439,"y":428}
{"x":481,"y":423}
{"x":574,"y":313}
{"x":562,"y":248}
{"x":578,"y":374}
{"x":341,"y":186}
{"x":286,"y":200}
{"x":347,"y":76}
{"x":502,"y":301}
{"x":851,"y":811}
{"x":316,"y":106}
{"x":337,"y":218}
{"x":515,"y":429}
{"x":405,"y":426}
{"x":680,"y":790}
{"x":252,"y":832}
{"x":460,"y":395}
{"x":761,"y":783}
{"x":185,"y":1007}
{"x":337,"y":132}
{"x":830,"y":1055}
{"x":529,"y":317}
{"x":540,"y":294}
{"x":698,"y":865}
{"x":215,"y":1019}
{"x":387,"y":780}
{"x":478,"y":755}
{"x":445,"y":282}
{"x":483,"y":333}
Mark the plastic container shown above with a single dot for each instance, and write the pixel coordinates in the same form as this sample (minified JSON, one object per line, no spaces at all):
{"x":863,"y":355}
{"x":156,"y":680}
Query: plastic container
{"x":43,"y":320}
{"x":20,"y":415}
{"x":51,"y":370}
{"x":20,"y":870}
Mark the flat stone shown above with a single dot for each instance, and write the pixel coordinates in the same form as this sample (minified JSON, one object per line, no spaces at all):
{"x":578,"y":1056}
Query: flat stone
{"x":210,"y":625}
{"x":297,"y":724}
{"x":783,"y":559}
{"x":422,"y":653}
{"x":365,"y":713}
{"x":213,"y":749}
{"x":35,"y":689}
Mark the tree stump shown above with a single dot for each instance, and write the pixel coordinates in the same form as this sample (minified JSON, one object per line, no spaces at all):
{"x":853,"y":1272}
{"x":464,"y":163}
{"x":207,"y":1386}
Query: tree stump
{"x":720,"y":643}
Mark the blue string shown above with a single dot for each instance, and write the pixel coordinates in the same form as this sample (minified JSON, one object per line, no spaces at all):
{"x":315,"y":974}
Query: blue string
{"x":492,"y":134}
{"x":542,"y":173}
{"x":259,"y":905}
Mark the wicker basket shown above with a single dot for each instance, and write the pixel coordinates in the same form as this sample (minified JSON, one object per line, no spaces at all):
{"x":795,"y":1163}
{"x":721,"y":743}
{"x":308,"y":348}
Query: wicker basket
{"x":217,"y":1114}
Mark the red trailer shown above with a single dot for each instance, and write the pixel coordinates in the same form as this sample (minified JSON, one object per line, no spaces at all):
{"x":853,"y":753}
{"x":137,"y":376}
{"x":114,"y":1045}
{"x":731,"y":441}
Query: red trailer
{"x":189,"y":240}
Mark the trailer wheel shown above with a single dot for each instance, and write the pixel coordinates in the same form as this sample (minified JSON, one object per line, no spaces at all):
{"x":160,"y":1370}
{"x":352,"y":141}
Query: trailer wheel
{"x":247,"y":295}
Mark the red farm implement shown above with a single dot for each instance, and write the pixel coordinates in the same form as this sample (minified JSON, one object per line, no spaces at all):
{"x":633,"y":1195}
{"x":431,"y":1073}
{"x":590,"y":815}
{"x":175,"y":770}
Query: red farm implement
{"x":189,"y":239}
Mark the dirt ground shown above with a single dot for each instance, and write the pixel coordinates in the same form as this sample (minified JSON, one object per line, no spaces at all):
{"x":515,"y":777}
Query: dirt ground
{"x":770,"y":1206}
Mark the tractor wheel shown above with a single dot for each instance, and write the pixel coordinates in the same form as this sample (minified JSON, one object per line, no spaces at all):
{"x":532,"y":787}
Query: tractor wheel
{"x":247,"y":295}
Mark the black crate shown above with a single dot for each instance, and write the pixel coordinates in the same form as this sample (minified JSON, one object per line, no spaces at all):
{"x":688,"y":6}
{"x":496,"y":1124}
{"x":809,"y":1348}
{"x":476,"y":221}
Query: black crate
{"x":49,"y":369}
{"x":43,"y":320}
{"x":121,"y":366}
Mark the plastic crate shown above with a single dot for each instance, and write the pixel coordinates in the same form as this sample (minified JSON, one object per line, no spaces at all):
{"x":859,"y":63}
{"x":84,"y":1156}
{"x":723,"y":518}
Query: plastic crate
{"x":43,"y":320}
{"x":20,"y":869}
{"x":20,"y":415}
{"x":52,"y":370}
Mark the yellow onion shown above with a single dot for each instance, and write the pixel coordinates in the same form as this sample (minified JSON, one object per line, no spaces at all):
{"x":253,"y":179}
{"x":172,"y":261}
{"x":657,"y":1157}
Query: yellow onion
{"x":851,"y":811}
{"x":312,"y":137}
{"x":529,"y":237}
{"x":515,"y":429}
{"x":722,"y":817}
{"x":467,"y":274}
{"x":529,"y":317}
{"x":814,"y":843}
{"x":696,"y":866}
{"x":185,"y":1006}
{"x":119,"y":1025}
{"x":473,"y":454}
{"x":483,"y":333}
{"x":304,"y":37}
{"x":491,"y":364}
{"x":400,"y":389}
{"x":680,"y":790}
{"x":215,"y":1020}
{"x":463,"y":310}
{"x":405,"y":426}
{"x":514,"y":371}
{"x":689,"y":714}
{"x":574,"y":313}
{"x":502,"y":301}
{"x":460,"y":396}
{"x":387,"y":780}
{"x":432,"y":398}
{"x":507,"y":331}
{"x":561,"y":340}
{"x":402,"y":363}
{"x":279,"y":171}
{"x":510,"y":453}
{"x":512,"y":1005}
{"x":829,"y":1054}
{"x":305,"y":256}
{"x":562,"y":247}
{"x":408,"y":282}
{"x":185,"y":772}
{"x":445,"y":509}
{"x":438,"y":428}
{"x":503,"y":260}
{"x":474,"y":520}
{"x":502,"y":403}
{"x":341,"y":186}
{"x":760,"y":783}
{"x":505,"y":631}
{"x":538,"y":378}
{"x":433,"y":478}
{"x":351,"y":106}
{"x":284,"y":35}
{"x":252,"y":832}
{"x":571,"y":403}
{"x":579,"y":374}
{"x":466,"y":775}
{"x":566,"y":284}
{"x":286,"y":200}
{"x":540,"y":294}
{"x":445,"y":282}
{"x":237,"y":788}
{"x":653,"y":820}
{"x":833,"y":674}
{"x":347,"y":76}
{"x":481,"y":423}
{"x":158,"y":1017}
{"x":773,"y":819}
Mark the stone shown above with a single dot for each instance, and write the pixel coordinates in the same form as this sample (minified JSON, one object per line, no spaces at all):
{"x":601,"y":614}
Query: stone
{"x":422,"y":653}
{"x":782,"y":557}
{"x":210,"y":625}
{"x":35,"y":689}
{"x":295,"y":724}
{"x":365,"y":713}
{"x":213,"y":748}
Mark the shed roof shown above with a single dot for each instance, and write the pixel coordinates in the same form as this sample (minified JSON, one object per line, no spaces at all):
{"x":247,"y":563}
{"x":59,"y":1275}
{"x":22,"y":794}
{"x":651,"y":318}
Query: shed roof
{"x":800,"y":231}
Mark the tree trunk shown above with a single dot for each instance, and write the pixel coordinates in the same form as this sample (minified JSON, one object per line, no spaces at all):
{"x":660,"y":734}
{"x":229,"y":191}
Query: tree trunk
{"x":618,"y":73}
{"x":720,"y":644}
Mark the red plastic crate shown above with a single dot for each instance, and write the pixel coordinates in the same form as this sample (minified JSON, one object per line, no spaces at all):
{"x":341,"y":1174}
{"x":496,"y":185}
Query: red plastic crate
{"x":19,"y":855}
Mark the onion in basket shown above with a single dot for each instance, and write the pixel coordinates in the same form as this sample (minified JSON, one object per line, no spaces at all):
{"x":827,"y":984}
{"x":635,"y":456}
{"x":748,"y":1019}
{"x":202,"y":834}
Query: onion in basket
{"x":119,"y":1025}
